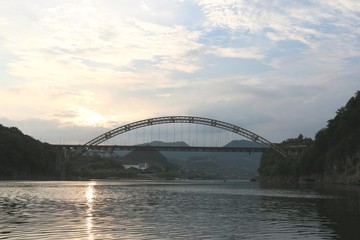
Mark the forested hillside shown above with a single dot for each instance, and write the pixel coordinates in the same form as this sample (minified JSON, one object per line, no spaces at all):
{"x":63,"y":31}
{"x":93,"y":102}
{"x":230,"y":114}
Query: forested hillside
{"x":22,"y":157}
{"x":235,"y":165}
{"x":275,"y":167}
{"x":334,"y":155}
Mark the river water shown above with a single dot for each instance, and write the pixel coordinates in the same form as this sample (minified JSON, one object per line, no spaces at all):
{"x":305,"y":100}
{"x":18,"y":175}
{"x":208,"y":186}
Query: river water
{"x":176,"y":210}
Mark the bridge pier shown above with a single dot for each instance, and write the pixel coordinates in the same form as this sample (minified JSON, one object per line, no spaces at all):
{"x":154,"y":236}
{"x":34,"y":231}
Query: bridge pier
{"x":60,"y":163}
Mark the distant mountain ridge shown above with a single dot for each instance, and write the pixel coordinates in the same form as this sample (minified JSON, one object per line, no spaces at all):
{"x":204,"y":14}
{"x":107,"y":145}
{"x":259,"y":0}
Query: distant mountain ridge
{"x":233,"y":143}
{"x":242,"y":143}
{"x":165,"y":144}
{"x":234,"y":165}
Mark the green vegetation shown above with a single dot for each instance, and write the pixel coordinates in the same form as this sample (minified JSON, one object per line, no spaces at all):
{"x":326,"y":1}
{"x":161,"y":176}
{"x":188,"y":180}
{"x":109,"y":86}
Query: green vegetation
{"x":22,"y":157}
{"x":239,"y":165}
{"x":96,"y":166}
{"x":275,"y":167}
{"x":334,"y":155}
{"x":214,"y":167}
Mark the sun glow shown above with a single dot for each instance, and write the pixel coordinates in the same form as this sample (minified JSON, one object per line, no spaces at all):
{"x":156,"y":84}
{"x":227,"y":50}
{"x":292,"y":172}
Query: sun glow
{"x":89,"y":118}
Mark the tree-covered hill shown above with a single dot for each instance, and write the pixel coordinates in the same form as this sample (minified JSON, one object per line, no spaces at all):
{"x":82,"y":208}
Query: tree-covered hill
{"x":235,"y":165}
{"x":22,"y":157}
{"x":334,"y":155}
{"x":154,"y":158}
{"x":275,"y":167}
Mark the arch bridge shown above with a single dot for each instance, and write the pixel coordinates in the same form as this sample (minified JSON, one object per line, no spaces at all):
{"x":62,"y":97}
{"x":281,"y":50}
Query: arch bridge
{"x":177,"y":119}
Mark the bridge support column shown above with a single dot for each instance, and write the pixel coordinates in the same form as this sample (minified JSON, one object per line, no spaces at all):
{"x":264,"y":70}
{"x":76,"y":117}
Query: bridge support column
{"x":60,"y":165}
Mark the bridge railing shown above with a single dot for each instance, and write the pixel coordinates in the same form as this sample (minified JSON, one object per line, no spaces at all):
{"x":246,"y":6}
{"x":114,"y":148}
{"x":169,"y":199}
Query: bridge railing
{"x":112,"y":148}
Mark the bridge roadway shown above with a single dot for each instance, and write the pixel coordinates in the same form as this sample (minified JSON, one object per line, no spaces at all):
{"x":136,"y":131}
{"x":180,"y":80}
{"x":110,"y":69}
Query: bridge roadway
{"x":166,"y":148}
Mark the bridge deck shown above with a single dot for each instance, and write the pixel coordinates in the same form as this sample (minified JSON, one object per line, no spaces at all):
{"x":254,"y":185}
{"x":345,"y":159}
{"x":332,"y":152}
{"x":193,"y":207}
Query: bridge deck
{"x":168,"y":148}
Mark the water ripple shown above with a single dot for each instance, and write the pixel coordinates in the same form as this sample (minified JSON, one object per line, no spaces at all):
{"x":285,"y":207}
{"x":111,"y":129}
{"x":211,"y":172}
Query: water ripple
{"x":169,"y":210}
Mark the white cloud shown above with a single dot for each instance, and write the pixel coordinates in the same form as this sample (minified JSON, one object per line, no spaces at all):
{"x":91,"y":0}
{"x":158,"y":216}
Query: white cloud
{"x":3,"y":21}
{"x":102,"y":63}
{"x":79,"y":47}
{"x":71,"y":32}
{"x":281,"y":20}
{"x":250,"y":53}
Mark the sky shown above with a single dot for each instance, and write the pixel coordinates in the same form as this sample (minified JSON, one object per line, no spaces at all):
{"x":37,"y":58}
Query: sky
{"x":71,"y":70}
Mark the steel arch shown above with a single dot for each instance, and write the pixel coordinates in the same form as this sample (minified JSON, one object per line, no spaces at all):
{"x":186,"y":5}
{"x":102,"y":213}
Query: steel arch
{"x":178,"y":119}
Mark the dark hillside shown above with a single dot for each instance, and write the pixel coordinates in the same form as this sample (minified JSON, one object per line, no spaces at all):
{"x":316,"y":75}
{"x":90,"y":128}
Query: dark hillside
{"x":274,"y":167}
{"x":22,"y":157}
{"x":334,"y":155}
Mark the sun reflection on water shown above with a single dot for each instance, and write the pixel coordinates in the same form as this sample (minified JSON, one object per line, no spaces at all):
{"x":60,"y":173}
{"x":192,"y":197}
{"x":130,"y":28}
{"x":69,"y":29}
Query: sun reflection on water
{"x":90,"y":194}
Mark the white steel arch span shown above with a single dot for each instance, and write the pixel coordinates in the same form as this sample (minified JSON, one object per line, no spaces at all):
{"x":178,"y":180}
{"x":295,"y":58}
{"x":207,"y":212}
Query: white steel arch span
{"x":178,"y":119}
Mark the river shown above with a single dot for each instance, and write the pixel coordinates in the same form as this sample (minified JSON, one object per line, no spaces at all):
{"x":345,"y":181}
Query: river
{"x":176,"y":210}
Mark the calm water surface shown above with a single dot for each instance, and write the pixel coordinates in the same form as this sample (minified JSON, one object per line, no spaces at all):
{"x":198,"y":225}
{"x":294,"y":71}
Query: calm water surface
{"x":176,"y":210}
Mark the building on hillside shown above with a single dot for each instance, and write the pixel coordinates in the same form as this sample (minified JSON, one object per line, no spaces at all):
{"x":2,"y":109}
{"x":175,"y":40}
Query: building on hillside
{"x":140,"y":166}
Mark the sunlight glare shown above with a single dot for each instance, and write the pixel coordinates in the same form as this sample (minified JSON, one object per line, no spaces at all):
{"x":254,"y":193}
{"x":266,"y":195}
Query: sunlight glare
{"x":90,"y":194}
{"x":89,"y":118}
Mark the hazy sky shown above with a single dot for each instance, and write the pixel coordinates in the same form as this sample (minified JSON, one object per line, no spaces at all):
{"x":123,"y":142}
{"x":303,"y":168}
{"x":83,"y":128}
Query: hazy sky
{"x":70,"y":70}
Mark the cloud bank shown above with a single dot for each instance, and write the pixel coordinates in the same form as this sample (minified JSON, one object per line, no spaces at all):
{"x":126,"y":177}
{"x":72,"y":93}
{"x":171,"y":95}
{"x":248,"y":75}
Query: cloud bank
{"x":277,"y":68}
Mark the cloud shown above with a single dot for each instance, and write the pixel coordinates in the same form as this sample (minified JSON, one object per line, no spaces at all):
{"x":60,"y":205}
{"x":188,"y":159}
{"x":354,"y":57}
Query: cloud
{"x":265,"y":64}
{"x":71,"y":35}
{"x":52,"y":131}
{"x":3,"y":21}
{"x":250,"y":53}
{"x":81,"y":56}
{"x":282,"y":20}
{"x":328,"y":31}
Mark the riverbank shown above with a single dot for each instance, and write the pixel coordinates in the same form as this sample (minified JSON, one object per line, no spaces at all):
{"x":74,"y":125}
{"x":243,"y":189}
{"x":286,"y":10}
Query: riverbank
{"x":316,"y":178}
